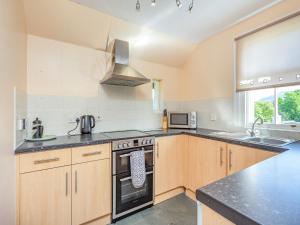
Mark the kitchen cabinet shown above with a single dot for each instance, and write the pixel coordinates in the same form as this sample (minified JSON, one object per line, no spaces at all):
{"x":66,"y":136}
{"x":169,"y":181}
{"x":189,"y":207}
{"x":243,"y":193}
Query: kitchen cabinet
{"x":210,"y":217}
{"x":45,"y":197}
{"x":169,"y":163}
{"x":91,"y":191}
{"x":66,"y":186}
{"x":206,"y":162}
{"x":241,"y":157}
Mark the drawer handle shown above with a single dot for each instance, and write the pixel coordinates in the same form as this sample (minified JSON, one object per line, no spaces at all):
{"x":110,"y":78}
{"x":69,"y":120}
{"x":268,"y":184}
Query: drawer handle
{"x":221,"y":156}
{"x":91,"y":154}
{"x":230,"y":159}
{"x":46,"y":161}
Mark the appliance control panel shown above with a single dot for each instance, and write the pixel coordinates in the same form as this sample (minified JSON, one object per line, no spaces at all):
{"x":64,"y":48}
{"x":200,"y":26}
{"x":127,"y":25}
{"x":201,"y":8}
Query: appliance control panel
{"x":132,"y":143}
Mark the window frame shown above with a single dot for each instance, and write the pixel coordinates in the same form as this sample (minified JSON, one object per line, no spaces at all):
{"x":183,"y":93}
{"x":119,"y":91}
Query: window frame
{"x":156,"y":99}
{"x":274,"y":125}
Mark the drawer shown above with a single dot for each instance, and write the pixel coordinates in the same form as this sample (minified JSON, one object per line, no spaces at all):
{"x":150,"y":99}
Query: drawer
{"x":44,"y":160}
{"x":90,"y":153}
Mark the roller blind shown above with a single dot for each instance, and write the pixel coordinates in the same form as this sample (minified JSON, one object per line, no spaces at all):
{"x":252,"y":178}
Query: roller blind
{"x":270,"y":56}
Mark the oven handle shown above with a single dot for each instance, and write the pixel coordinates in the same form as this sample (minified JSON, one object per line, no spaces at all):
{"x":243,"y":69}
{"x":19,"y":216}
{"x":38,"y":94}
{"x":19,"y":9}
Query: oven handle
{"x":127,"y":155}
{"x":128,"y":178}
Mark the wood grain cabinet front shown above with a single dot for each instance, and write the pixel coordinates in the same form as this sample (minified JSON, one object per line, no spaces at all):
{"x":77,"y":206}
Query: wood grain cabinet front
{"x":206,"y":162}
{"x":91,"y":191}
{"x":241,"y":157}
{"x":168,"y":164}
{"x":45,"y":197}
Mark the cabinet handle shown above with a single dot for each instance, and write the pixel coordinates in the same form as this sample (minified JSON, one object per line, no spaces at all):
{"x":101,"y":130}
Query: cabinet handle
{"x":230,"y":159}
{"x":92,"y":153}
{"x":157,"y":150}
{"x":67,"y":183}
{"x":45,"y":161}
{"x":76,"y":181}
{"x":221,"y":156}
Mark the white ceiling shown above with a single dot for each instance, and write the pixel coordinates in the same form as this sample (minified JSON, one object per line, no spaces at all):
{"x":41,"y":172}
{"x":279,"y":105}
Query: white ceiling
{"x":207,"y":18}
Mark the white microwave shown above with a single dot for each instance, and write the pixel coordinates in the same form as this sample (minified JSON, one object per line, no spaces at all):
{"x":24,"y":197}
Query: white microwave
{"x":186,"y":120}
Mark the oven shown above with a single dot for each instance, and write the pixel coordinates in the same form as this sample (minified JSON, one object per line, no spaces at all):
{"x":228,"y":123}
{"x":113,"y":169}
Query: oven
{"x":185,"y":120}
{"x":121,"y":159}
{"x":126,"y":198}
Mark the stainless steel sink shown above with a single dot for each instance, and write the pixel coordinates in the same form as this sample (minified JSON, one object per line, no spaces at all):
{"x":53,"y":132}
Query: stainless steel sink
{"x":269,"y":141}
{"x":231,"y":135}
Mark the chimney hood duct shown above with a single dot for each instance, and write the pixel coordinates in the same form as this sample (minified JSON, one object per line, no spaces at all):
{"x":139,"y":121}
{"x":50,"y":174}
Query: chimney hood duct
{"x":120,"y":73}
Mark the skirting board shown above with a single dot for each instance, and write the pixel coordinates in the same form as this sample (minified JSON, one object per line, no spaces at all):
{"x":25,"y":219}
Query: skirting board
{"x":104,"y":220}
{"x":190,"y":194}
{"x":167,"y":195}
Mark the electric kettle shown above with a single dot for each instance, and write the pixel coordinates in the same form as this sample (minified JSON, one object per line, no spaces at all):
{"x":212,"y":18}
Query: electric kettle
{"x":87,"y":123}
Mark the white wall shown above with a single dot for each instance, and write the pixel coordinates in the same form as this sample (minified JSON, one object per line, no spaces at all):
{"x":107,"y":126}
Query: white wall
{"x":63,"y":83}
{"x":12,"y":73}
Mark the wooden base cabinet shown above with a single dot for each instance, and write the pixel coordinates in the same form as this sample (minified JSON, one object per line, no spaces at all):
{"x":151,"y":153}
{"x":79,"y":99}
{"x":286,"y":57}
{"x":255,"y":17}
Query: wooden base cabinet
{"x":169,"y":163}
{"x":206,"y":162}
{"x":91,"y":191}
{"x":45,"y":197}
{"x":241,"y":157}
{"x":210,"y":217}
{"x":65,"y":187}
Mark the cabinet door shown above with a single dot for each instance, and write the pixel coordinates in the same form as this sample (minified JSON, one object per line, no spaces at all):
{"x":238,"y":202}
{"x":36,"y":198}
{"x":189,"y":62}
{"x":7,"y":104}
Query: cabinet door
{"x":206,"y":162}
{"x":91,"y":191}
{"x":45,"y":197}
{"x":210,"y":217}
{"x":240,"y":157}
{"x":166,"y":164}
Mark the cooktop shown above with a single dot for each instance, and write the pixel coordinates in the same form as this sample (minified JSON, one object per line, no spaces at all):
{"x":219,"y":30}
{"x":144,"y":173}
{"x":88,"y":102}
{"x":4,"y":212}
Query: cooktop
{"x":125,"y":134}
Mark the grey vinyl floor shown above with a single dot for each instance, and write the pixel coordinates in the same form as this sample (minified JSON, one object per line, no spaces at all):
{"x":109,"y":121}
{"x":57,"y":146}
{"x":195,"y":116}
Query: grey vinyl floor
{"x":179,"y":210}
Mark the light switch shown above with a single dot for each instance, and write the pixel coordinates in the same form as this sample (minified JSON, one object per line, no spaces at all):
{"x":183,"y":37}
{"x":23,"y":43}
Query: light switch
{"x":213,"y":117}
{"x":21,"y":124}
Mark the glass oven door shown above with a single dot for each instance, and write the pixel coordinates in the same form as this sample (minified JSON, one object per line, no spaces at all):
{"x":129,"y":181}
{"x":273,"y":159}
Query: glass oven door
{"x":121,"y":159}
{"x":127,"y":198}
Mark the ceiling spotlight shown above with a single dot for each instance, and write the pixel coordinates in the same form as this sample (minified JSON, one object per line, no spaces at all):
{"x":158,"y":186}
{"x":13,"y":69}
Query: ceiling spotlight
{"x":153,"y":3}
{"x":138,"y":5}
{"x":191,"y":6}
{"x":179,"y":3}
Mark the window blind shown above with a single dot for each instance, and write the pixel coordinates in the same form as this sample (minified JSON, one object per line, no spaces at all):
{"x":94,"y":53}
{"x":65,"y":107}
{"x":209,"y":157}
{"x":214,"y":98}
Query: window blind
{"x":269,"y":56}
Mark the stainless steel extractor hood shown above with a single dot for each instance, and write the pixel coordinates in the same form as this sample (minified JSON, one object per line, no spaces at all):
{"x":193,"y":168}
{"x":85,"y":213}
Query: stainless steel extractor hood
{"x":120,"y":72}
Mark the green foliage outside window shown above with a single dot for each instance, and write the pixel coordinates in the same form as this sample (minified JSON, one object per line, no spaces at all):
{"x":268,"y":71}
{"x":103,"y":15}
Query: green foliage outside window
{"x":289,"y":106}
{"x":265,"y":110}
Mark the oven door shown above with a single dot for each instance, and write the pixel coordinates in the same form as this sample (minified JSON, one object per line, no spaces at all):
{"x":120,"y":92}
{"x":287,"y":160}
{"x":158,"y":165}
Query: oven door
{"x":179,"y":120}
{"x":121,"y":159}
{"x":126,"y":198}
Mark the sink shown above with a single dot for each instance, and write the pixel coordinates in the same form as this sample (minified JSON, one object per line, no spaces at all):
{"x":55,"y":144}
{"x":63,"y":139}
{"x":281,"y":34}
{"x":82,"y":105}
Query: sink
{"x":269,"y":141}
{"x":227,"y":134}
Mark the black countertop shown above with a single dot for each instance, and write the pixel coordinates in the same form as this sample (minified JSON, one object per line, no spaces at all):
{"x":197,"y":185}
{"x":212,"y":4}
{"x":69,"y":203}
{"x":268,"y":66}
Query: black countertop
{"x":267,"y":193}
{"x":106,"y":137}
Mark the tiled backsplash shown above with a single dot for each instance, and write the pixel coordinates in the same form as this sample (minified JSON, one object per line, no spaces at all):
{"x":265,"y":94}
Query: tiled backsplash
{"x":119,"y":112}
{"x":212,"y":113}
{"x":116,"y":114}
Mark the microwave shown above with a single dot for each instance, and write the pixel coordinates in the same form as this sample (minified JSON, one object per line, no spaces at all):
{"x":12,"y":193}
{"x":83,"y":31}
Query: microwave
{"x":186,"y":120}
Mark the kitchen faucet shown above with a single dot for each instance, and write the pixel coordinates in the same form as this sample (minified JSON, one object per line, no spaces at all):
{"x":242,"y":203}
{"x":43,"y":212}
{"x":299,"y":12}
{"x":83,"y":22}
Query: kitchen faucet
{"x":252,"y":131}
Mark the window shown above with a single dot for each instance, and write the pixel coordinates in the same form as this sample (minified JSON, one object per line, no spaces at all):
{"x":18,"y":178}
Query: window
{"x":274,"y":105}
{"x":156,"y":95}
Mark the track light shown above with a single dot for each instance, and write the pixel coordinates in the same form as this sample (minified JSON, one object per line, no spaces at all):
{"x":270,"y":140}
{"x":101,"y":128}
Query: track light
{"x":179,"y":3}
{"x":153,"y":3}
{"x":138,"y":5}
